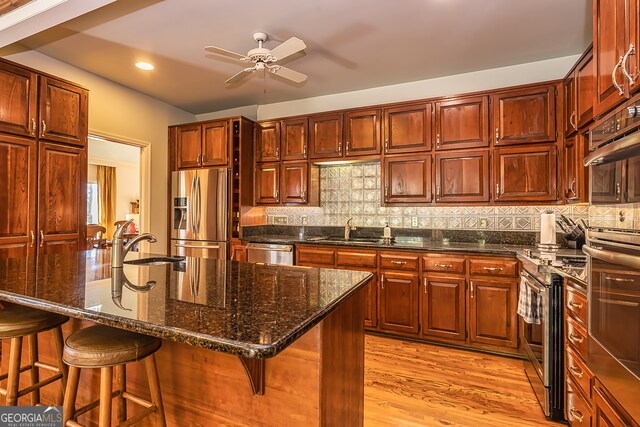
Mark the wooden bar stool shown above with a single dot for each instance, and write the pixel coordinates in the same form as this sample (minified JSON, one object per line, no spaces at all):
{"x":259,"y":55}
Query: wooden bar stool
{"x":108,"y":348}
{"x":17,"y":322}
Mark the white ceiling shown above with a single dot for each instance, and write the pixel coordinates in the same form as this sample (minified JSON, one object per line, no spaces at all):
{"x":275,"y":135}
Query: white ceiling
{"x":351,"y":44}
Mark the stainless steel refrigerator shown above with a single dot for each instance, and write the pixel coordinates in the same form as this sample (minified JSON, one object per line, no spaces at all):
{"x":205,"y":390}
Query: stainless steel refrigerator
{"x":199,"y":213}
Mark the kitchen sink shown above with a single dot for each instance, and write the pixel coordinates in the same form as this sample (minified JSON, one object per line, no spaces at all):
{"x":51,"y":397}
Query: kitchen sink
{"x":159,"y":260}
{"x":350,"y":240}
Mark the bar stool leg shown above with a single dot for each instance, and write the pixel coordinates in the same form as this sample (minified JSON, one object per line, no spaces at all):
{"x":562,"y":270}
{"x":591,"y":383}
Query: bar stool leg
{"x":121,"y":383}
{"x":64,"y":370}
{"x":13,"y":379}
{"x":106,"y":381}
{"x":69,"y":406}
{"x":154,"y":388}
{"x":35,"y":375}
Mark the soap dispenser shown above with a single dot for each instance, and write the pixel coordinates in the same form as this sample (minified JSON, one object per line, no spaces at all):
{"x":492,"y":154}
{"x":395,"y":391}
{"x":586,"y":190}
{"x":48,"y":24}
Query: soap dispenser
{"x":387,"y":232}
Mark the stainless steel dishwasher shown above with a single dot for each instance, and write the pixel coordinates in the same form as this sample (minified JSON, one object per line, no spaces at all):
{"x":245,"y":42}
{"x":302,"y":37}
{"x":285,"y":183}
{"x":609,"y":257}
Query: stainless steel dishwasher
{"x":270,"y":253}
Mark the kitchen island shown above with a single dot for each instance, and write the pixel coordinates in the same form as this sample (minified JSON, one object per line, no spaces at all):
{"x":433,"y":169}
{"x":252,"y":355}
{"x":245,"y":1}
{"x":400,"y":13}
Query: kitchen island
{"x":244,"y":344}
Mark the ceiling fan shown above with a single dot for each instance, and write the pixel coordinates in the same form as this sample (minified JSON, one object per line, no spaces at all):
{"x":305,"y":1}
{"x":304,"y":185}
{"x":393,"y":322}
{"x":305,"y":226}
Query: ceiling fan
{"x":265,"y":59}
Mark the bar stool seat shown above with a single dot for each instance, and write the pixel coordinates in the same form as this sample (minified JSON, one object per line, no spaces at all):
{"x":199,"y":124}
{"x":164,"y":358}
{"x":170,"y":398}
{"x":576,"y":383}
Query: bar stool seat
{"x":16,"y":323}
{"x":108,"y":349}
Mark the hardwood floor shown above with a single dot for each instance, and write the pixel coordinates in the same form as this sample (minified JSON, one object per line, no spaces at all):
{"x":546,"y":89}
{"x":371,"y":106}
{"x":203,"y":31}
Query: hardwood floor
{"x":413,"y":384}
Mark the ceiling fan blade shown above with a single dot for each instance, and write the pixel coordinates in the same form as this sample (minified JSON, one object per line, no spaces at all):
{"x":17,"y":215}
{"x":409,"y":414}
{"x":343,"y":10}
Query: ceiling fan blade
{"x":288,"y":48}
{"x":290,"y":74}
{"x":239,"y":76}
{"x":225,"y":52}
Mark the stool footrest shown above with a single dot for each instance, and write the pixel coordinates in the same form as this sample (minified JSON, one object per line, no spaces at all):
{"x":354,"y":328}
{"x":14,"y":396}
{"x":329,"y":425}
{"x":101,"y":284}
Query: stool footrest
{"x":136,"y":399}
{"x":94,"y":404}
{"x":39,"y":385}
{"x":46,"y":366}
{"x":140,"y":415}
{"x":72,"y":423}
{"x":5,"y":376}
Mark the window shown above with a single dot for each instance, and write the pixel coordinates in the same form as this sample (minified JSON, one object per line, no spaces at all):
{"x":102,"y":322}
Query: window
{"x":92,"y":203}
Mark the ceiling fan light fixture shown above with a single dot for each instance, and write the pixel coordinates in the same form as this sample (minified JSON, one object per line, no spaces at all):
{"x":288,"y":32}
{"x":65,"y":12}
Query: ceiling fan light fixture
{"x":144,"y":66}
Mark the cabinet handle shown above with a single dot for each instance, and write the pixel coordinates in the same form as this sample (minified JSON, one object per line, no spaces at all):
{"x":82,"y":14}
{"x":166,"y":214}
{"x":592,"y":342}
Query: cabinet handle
{"x":576,"y":414}
{"x":493,"y":268}
{"x":438,"y":190}
{"x":340,"y":147}
{"x":304,"y":151}
{"x":443,"y":265}
{"x":618,"y":279}
{"x":576,"y":371}
{"x":576,"y":338}
{"x":438,"y":140}
{"x":33,"y":238}
{"x":572,"y":187}
{"x":425,"y":285}
{"x":613,"y":76}
{"x":386,"y":145}
{"x":275,"y":194}
{"x":497,"y":189}
{"x":471,"y":294}
{"x":44,"y":129}
{"x":398,"y":262}
{"x":618,"y":191}
{"x":575,"y":305}
{"x":630,"y":78}
{"x":277,"y":153}
{"x":303,"y":195}
{"x":386,"y":192}
{"x":382,"y":281}
{"x":497,"y":135}
{"x":347,"y":148}
{"x":41,"y":238}
{"x":571,"y":121}
{"x":33,"y":127}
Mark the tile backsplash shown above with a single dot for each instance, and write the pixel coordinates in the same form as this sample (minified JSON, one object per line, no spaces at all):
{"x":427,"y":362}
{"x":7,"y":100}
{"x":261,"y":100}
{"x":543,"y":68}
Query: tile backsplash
{"x":354,"y":191}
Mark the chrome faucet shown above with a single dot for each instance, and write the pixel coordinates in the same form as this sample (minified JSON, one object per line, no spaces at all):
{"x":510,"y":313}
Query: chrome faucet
{"x":348,"y":228}
{"x":119,"y":250}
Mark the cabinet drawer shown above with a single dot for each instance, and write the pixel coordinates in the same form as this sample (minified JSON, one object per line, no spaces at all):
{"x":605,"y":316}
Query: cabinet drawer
{"x":312,"y":256}
{"x":577,"y":369}
{"x":577,"y":337}
{"x":493,"y":267}
{"x":399,"y":262}
{"x":576,"y":304}
{"x":578,"y":410}
{"x":356,"y":259}
{"x":444,"y":264}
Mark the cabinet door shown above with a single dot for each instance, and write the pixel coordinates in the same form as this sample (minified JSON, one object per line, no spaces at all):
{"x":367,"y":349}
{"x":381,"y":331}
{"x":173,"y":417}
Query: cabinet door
{"x":294,"y":183}
{"x":268,"y":142}
{"x":267,"y":184}
{"x":295,"y":134}
{"x":570,"y":113}
{"x":188,"y":146}
{"x":526,"y":174}
{"x":571,"y":169}
{"x":578,"y":411}
{"x":606,"y":183}
{"x":462,"y":176}
{"x":63,"y":112}
{"x":62,"y":207}
{"x":604,"y":412}
{"x":525,"y":115}
{"x":584,"y":89}
{"x":407,"y":129}
{"x":443,"y":308}
{"x":633,"y":180}
{"x":371,"y":303}
{"x":18,"y":100}
{"x":462,"y":123}
{"x":326,"y":136}
{"x":609,"y":45}
{"x":363,"y":133}
{"x":492,"y":312}
{"x":407,"y":179}
{"x":18,"y":196}
{"x":215,"y":144}
{"x":399,"y":302}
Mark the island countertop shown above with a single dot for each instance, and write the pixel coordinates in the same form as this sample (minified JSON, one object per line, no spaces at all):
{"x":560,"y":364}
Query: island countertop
{"x":245,"y":309}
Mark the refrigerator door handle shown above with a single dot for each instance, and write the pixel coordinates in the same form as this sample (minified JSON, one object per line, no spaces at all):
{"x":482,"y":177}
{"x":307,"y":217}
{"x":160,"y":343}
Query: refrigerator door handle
{"x":192,"y":206}
{"x":177,"y":245}
{"x":199,"y":198}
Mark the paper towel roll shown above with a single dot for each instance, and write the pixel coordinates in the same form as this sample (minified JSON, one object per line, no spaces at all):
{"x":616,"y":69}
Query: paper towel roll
{"x":548,"y":228}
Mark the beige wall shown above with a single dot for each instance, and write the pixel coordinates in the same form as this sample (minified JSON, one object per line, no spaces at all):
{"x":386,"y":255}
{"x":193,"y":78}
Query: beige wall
{"x":120,"y":112}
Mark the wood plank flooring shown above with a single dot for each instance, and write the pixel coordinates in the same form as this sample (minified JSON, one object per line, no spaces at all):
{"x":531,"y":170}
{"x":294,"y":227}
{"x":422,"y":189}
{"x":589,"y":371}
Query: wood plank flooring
{"x":413,"y":384}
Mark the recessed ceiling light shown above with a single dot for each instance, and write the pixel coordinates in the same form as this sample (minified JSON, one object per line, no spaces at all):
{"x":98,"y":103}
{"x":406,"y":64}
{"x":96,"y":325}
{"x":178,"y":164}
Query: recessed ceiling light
{"x":144,"y":66}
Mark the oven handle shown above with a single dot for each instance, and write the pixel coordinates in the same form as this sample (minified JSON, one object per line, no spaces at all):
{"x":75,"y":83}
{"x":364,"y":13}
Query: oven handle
{"x":630,"y":261}
{"x":614,"y":151}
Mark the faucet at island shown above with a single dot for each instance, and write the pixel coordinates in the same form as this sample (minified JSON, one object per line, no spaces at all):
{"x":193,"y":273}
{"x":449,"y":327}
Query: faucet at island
{"x":348,"y":228}
{"x":119,"y":250}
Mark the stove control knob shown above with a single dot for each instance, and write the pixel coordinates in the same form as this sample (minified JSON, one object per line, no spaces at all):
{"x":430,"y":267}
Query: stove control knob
{"x":633,"y":111}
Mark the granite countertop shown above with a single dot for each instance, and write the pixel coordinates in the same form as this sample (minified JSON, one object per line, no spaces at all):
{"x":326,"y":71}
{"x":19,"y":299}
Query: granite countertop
{"x":250,"y":310}
{"x":403,"y":243}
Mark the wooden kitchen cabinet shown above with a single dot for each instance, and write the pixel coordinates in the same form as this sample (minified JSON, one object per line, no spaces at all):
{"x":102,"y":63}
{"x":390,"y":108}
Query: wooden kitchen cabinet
{"x":578,"y":410}
{"x":18,"y":100}
{"x":399,"y":294}
{"x":215,"y":144}
{"x":188,"y":146}
{"x":576,"y":175}
{"x":407,"y":179}
{"x":526,"y":173}
{"x":325,"y":136}
{"x":295,"y":139}
{"x":606,"y":183}
{"x":492,"y":312}
{"x":579,"y":94}
{"x":605,"y":411}
{"x":267,"y":184}
{"x":569,"y":88}
{"x":443,"y":307}
{"x":63,"y":112}
{"x":407,"y":129}
{"x":268,"y":142}
{"x":462,"y":177}
{"x":524,"y":116}
{"x":18,"y":163}
{"x":362,"y":128}
{"x":294,"y":182}
{"x":462,"y":123}
{"x":62,"y":206}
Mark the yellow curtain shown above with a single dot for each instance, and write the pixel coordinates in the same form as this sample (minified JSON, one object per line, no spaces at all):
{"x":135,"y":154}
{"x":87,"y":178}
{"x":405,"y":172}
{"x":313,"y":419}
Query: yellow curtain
{"x":107,"y":198}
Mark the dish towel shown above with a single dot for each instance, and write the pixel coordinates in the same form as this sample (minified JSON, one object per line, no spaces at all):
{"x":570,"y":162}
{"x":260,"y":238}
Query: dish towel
{"x":529,"y":303}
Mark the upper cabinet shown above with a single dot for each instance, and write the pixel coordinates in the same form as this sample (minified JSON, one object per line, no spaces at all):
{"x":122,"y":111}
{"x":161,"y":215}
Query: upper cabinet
{"x":18,"y":100}
{"x":268,"y":142}
{"x":462,"y":177}
{"x":579,"y":93}
{"x":407,"y":179}
{"x":63,"y":112}
{"x":325,"y":136}
{"x":362,"y":133}
{"x":407,"y":129}
{"x":526,"y":174}
{"x":202,"y":145}
{"x":295,"y":137}
{"x":525,"y":115}
{"x":462,"y":123}
{"x":267,"y":184}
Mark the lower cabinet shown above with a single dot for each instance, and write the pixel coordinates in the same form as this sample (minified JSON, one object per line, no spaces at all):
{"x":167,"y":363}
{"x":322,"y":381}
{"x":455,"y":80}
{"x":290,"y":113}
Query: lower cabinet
{"x":371,"y":303}
{"x":605,"y":412}
{"x":492,"y":312}
{"x":399,"y":302}
{"x":443,"y":308}
{"x":578,"y":410}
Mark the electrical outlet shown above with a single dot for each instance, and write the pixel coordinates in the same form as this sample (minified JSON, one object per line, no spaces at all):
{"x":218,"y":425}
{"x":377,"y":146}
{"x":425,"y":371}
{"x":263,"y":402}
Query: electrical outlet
{"x":414,"y":221}
{"x":304,"y":220}
{"x":483,"y":223}
{"x":279,"y":220}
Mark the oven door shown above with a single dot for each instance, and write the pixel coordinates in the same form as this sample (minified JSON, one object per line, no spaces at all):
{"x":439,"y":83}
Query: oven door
{"x":614,"y":319}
